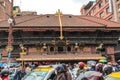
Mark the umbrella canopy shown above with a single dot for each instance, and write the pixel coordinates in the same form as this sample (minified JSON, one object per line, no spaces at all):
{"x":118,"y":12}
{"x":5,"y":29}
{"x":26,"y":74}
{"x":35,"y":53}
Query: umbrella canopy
{"x":13,"y":64}
{"x":91,"y":75}
{"x":3,"y":64}
{"x":102,"y":60}
{"x":81,"y":64}
{"x":91,"y":62}
{"x":99,"y":64}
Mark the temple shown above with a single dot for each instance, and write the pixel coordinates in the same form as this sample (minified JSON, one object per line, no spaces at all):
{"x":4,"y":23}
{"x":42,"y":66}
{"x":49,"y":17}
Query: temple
{"x":61,"y":38}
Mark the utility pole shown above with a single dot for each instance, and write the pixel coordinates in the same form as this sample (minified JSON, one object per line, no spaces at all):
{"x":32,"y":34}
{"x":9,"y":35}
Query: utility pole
{"x":9,"y":46}
{"x":11,"y":22}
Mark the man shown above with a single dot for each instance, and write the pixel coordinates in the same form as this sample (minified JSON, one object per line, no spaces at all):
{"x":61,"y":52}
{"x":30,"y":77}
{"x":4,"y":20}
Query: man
{"x":20,"y":74}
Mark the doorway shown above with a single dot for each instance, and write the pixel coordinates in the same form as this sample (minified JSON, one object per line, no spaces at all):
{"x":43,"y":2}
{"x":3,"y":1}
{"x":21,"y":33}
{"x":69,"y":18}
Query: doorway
{"x":60,"y":49}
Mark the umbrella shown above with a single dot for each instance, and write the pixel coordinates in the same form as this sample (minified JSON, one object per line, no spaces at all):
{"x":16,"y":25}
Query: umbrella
{"x":91,"y":75}
{"x":81,"y":64}
{"x":91,"y":62}
{"x":3,"y":64}
{"x":103,"y":60}
{"x":13,"y":64}
{"x":99,"y":64}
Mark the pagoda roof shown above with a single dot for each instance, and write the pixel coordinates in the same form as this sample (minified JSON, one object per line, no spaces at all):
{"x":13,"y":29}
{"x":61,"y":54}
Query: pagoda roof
{"x":68,"y":21}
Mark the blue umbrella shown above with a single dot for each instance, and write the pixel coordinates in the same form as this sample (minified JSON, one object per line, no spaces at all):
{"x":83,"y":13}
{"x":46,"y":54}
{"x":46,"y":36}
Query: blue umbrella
{"x":3,"y":64}
{"x":14,"y":64}
{"x":91,"y":62}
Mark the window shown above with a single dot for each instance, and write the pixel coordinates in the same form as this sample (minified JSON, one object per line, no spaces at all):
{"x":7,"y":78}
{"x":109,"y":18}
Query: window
{"x":94,"y":10}
{"x":119,"y":7}
{"x":100,"y":4}
{"x":89,"y":13}
{"x":106,"y":0}
{"x":101,"y":14}
{"x":107,"y":9}
{"x":110,"y":19}
{"x":2,"y":2}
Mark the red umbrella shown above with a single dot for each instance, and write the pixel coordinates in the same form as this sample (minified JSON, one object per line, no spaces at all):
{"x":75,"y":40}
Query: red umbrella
{"x":81,"y":64}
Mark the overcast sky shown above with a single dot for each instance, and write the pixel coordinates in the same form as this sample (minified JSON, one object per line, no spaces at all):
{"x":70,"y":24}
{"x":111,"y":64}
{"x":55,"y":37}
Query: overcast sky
{"x":51,"y":6}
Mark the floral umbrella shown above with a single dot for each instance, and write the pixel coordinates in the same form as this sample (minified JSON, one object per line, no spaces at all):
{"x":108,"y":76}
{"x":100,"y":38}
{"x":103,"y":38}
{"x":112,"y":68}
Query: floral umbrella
{"x":103,"y":60}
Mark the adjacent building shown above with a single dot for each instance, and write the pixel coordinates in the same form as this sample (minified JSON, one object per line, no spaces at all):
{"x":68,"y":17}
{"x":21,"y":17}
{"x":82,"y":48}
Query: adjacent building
{"x":118,"y":9}
{"x":4,"y":9}
{"x":106,"y":9}
{"x":23,"y":13}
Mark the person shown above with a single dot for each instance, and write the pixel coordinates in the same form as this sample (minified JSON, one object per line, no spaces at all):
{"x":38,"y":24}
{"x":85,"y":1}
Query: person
{"x":28,"y":69}
{"x":81,"y":68}
{"x":67,"y":72}
{"x":107,"y":69}
{"x":60,"y":74}
{"x":5,"y":74}
{"x":99,"y":67}
{"x":20,"y":74}
{"x":92,"y":68}
{"x":74,"y":71}
{"x":115,"y":67}
{"x":84,"y":78}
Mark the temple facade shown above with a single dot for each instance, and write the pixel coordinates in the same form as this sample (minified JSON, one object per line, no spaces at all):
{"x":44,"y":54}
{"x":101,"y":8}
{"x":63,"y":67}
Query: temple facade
{"x":40,"y":35}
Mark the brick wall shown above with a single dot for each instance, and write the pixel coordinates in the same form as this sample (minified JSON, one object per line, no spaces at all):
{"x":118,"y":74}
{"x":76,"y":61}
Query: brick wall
{"x":110,"y":50}
{"x":96,"y":10}
{"x":7,"y":8}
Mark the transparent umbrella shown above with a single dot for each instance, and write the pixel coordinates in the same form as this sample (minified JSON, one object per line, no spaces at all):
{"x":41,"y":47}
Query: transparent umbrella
{"x":90,"y":75}
{"x":91,"y":62}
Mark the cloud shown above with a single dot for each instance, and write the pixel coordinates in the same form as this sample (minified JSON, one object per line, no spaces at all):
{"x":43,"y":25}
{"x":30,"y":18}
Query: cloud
{"x":51,"y":6}
{"x":81,"y":1}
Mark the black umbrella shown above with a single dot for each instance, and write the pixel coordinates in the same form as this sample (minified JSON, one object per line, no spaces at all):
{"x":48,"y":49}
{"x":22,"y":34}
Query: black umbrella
{"x":90,"y":75}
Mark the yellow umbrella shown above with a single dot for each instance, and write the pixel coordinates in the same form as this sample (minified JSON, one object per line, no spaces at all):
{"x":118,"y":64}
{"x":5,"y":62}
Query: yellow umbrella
{"x":115,"y":75}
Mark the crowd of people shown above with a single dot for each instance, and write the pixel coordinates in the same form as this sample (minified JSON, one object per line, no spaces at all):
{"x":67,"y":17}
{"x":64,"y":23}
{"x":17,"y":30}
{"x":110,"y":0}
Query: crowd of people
{"x":104,"y":68}
{"x":66,"y":71}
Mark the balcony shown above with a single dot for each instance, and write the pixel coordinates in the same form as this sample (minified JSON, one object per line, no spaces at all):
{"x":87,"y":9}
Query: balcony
{"x":36,"y":40}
